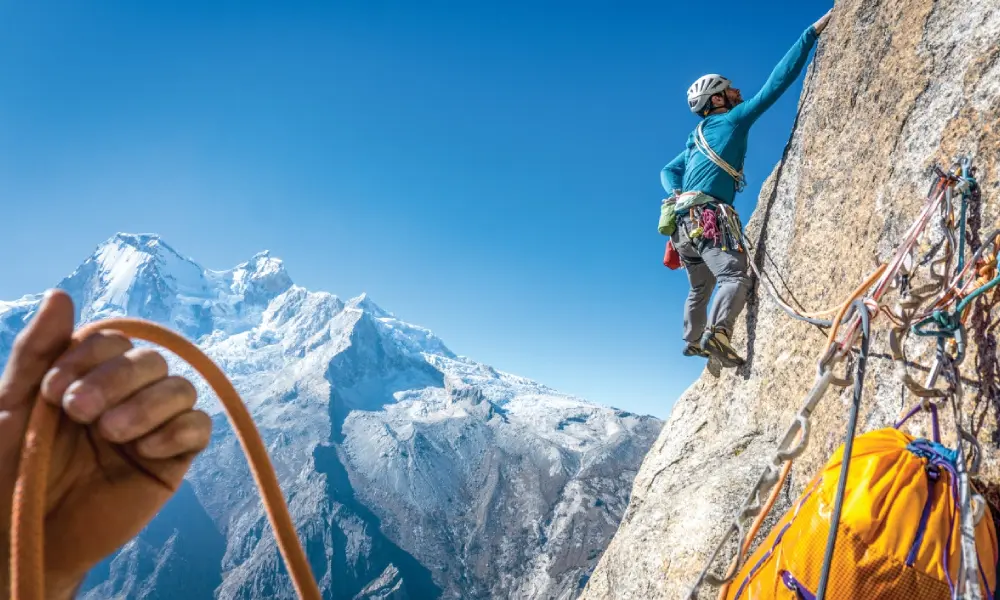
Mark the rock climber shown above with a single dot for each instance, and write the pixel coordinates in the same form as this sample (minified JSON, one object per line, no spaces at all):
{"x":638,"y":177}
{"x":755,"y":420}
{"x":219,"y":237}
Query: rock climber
{"x":703,"y":181}
{"x":113,"y":394}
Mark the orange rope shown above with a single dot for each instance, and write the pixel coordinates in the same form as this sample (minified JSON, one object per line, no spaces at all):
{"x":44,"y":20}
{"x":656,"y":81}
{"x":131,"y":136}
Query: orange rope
{"x":28,"y":527}
{"x":832,"y":338}
{"x":757,"y":523}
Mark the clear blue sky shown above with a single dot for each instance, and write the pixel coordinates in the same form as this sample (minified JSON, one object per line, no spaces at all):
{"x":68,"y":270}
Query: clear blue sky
{"x":489,"y":170}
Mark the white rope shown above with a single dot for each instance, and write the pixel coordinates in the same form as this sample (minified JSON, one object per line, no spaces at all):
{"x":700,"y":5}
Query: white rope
{"x":702,"y":145}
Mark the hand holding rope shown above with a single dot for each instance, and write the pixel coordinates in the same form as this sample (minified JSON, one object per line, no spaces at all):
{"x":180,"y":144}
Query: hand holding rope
{"x":28,"y":556}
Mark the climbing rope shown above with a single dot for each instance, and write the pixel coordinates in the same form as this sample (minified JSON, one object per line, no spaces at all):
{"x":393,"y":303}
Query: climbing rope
{"x":756,"y":525}
{"x":968,"y":587}
{"x":947,"y":322}
{"x":949,"y":327}
{"x":703,"y":146}
{"x":852,"y":424}
{"x":27,"y":559}
{"x":811,"y":317}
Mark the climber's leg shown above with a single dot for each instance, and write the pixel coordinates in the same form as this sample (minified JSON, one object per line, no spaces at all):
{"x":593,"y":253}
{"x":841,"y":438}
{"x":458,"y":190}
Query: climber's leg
{"x":702,"y":284}
{"x":696,"y":307}
{"x":730,"y":269}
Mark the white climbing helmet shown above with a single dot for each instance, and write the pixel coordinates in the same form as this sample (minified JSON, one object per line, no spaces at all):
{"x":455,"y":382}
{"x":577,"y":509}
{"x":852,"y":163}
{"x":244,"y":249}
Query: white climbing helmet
{"x":703,"y":89}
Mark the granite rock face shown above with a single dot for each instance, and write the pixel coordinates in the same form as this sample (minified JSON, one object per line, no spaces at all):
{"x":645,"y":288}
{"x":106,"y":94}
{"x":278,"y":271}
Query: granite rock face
{"x":896,"y":87}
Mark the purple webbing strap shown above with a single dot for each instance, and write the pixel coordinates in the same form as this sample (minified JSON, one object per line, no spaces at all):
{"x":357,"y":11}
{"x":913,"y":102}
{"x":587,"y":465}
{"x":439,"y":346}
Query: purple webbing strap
{"x":792,"y":584}
{"x":935,"y":427}
{"x":777,"y":541}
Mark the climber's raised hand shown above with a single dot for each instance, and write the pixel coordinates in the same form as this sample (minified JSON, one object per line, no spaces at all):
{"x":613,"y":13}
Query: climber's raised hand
{"x":127,"y":435}
{"x":823,"y":22}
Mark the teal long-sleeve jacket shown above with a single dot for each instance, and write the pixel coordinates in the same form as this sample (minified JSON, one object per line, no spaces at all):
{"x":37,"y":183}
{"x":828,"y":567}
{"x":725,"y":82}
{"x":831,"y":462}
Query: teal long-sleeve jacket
{"x":727,"y":133}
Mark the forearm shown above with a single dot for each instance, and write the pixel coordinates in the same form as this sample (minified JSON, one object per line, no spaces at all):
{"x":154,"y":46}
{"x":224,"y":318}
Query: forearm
{"x":669,"y":180}
{"x":791,"y":65}
{"x":672,"y":175}
{"x":783,"y":75}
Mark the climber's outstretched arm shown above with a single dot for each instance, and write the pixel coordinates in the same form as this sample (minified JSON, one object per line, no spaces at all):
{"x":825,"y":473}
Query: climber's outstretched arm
{"x":782,"y":77}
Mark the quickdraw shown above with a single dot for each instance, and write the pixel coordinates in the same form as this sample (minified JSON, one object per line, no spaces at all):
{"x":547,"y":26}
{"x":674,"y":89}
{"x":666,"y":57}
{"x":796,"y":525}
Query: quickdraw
{"x":949,"y":329}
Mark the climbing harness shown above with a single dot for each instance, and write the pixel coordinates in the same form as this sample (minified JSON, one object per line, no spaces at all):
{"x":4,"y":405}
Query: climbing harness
{"x":909,"y":314}
{"x":713,"y":223}
{"x":706,"y":222}
{"x":27,"y":558}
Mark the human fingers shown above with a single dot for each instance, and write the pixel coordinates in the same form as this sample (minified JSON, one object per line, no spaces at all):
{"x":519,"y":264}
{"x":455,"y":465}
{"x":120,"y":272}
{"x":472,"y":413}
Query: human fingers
{"x":823,"y":21}
{"x":147,"y":410}
{"x":182,"y":437}
{"x":111,"y":382}
{"x":39,"y":344}
{"x":95,"y":349}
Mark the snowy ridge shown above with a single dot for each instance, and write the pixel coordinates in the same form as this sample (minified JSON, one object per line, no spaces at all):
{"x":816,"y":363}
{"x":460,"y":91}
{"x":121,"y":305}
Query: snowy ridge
{"x":142,"y":275}
{"x":408,"y":469}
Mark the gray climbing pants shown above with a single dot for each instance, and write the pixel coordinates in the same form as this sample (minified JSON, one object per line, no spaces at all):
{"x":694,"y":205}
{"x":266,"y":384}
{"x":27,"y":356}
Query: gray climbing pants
{"x":707,"y":265}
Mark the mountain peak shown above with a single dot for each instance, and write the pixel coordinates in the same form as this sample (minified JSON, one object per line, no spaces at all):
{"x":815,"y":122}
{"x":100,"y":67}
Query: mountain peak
{"x":125,"y":253}
{"x":140,"y":275}
{"x":150,"y":244}
{"x":135,"y":239}
{"x":133,"y":275}
{"x":366,"y":304}
{"x":261,"y":278}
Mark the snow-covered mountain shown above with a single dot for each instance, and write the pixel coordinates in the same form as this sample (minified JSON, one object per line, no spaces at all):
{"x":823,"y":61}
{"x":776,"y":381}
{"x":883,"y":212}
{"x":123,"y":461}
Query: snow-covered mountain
{"x":411,"y":472}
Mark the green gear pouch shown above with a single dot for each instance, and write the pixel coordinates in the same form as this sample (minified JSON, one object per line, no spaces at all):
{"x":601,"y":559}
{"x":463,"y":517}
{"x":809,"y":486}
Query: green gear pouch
{"x":668,"y":219}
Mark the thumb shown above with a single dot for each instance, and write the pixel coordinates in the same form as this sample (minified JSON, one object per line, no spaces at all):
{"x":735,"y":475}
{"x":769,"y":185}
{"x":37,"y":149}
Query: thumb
{"x":35,"y":349}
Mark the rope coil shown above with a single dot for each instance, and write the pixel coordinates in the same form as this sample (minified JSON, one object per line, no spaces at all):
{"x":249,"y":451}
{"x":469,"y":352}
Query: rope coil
{"x":703,"y":146}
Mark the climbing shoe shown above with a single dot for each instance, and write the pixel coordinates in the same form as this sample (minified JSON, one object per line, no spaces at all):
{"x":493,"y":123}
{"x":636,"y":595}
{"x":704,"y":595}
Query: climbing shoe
{"x":716,"y":343}
{"x":695,"y":350}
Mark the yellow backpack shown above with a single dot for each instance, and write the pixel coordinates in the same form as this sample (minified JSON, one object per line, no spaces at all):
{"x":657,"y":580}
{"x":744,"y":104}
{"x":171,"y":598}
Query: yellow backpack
{"x":898,"y":535}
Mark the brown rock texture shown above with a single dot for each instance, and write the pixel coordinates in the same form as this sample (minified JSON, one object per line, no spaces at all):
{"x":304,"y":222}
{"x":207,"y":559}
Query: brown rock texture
{"x":896,"y":87}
